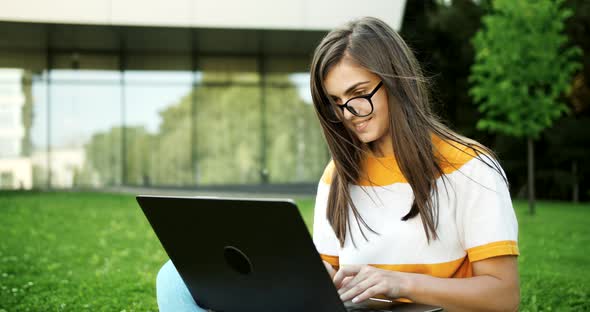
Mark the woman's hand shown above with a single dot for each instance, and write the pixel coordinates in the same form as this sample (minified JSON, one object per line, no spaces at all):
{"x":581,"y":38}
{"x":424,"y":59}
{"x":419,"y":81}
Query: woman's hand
{"x":330,"y":269}
{"x":493,"y":278}
{"x":361,"y":282}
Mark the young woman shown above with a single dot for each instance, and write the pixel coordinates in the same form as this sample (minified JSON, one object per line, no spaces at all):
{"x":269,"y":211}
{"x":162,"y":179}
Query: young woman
{"x":407,"y":209}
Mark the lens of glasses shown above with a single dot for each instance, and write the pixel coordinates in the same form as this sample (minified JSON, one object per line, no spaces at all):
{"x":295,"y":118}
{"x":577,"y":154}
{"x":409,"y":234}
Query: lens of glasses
{"x":360,"y":107}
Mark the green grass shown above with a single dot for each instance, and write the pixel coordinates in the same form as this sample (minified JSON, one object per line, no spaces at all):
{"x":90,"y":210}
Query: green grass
{"x":554,"y":263}
{"x":96,"y":252}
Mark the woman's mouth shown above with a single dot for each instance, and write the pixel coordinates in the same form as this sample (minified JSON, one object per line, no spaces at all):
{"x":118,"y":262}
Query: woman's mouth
{"x":360,"y":126}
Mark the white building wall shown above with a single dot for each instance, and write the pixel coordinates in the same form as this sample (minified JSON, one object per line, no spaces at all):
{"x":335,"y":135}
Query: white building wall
{"x":20,"y":171}
{"x":258,"y":14}
{"x":65,"y":162}
{"x":11,"y":103}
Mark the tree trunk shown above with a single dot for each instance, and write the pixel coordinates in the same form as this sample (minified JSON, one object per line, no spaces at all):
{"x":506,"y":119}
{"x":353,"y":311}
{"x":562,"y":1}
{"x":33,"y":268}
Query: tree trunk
{"x":576,"y":186}
{"x":531,"y":175}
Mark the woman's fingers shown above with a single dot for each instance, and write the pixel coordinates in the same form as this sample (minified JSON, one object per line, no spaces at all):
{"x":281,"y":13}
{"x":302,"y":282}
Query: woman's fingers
{"x":358,"y":273}
{"x":346,"y":280}
{"x":364,"y":282}
{"x":362,"y":275}
{"x":345,"y":271}
{"x":357,"y":289}
{"x":372,"y":291}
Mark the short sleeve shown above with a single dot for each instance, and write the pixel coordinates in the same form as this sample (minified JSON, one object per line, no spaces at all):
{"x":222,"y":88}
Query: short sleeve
{"x":324,"y":237}
{"x":485,"y":217}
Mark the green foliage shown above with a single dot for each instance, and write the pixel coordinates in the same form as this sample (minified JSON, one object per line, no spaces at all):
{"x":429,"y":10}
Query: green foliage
{"x":96,"y":252}
{"x":228,"y":123}
{"x":103,"y":159}
{"x":522,"y":66}
{"x":213,"y":135}
{"x":27,"y":114}
{"x":296,"y":151}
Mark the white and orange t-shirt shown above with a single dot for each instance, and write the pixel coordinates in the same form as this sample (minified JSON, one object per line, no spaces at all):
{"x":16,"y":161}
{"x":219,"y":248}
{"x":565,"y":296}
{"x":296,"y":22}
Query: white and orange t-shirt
{"x":476,"y":218}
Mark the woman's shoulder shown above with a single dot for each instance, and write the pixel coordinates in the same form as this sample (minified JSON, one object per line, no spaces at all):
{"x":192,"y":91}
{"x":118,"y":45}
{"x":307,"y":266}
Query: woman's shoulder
{"x":328,"y":173}
{"x":452,"y":155}
{"x":476,"y":165}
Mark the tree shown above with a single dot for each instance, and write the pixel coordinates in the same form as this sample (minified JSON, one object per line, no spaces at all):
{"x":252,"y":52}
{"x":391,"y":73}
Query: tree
{"x":224,"y":146}
{"x":103,"y":159}
{"x":27,"y":113}
{"x":522,"y":67}
{"x":568,"y":147}
{"x":440,"y":32}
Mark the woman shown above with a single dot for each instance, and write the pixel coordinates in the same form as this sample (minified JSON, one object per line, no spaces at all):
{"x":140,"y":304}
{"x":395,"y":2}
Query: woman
{"x":407,"y":209}
{"x":428,"y":209}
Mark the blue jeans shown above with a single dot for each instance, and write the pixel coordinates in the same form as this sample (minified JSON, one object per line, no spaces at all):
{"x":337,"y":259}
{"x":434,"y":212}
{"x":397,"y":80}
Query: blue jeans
{"x":172,"y":294}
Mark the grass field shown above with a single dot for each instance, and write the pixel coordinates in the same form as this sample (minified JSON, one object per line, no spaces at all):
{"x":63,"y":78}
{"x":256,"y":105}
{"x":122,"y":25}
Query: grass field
{"x":96,"y":252}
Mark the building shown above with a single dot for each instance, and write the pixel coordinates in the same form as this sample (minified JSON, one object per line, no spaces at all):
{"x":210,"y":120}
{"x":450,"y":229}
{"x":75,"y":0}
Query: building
{"x":15,"y":167}
{"x":181,"y":93}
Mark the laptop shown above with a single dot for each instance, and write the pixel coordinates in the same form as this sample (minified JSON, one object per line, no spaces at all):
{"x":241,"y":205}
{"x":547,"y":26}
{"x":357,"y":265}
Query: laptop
{"x":248,"y":255}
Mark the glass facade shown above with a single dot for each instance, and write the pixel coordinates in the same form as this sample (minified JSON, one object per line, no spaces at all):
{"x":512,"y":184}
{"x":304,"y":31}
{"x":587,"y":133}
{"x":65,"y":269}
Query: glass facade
{"x":90,"y":119}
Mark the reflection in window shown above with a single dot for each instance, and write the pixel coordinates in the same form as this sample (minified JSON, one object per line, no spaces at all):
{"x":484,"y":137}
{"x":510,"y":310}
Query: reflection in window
{"x":296,"y":150}
{"x":86,"y":131}
{"x":158,"y":143}
{"x":228,"y":123}
{"x":39,"y":133}
{"x":15,"y":128}
{"x":220,"y":125}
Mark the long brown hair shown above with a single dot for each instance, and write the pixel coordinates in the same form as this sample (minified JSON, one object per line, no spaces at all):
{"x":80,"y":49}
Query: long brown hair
{"x":379,"y":49}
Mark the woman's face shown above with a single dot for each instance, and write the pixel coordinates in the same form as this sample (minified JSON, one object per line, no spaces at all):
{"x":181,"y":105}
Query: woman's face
{"x":346,"y":80}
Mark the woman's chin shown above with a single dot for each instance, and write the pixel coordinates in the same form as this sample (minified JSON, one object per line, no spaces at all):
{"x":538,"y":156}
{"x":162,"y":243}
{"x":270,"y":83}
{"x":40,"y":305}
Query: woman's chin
{"x":366,"y":138}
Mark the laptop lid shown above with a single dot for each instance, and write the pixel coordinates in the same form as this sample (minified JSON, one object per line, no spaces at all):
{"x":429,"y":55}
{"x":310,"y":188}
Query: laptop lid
{"x":242,"y":254}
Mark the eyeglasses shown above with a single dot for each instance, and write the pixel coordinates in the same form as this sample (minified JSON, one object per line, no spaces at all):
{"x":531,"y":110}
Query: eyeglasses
{"x":360,"y":106}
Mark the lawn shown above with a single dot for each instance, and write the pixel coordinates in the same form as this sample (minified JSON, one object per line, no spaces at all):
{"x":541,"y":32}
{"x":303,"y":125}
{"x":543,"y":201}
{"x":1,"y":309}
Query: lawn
{"x":68,"y":251}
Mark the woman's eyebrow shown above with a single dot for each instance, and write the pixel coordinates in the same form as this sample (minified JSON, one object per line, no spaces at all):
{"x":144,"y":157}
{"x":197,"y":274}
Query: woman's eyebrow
{"x":351,"y":88}
{"x":354,"y":86}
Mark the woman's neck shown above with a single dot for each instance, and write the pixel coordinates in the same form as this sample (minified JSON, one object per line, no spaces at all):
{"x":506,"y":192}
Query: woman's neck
{"x":382,"y":147}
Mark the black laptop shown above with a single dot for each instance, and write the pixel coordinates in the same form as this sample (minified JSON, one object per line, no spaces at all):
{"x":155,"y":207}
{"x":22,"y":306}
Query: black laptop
{"x":248,"y":255}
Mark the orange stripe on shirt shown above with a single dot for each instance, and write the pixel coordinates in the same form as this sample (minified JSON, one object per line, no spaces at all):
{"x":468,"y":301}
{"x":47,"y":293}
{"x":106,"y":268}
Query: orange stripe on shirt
{"x":455,"y":268}
{"x":381,"y":171}
{"x":500,"y":248}
{"x":459,"y":268}
{"x":333,"y":260}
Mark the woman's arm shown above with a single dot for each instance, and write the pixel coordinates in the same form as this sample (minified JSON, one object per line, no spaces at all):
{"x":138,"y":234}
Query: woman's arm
{"x":494,"y":286}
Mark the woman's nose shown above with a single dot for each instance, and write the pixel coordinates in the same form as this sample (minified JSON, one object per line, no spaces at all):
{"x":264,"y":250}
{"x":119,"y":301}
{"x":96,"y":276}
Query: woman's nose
{"x":347,"y":114}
